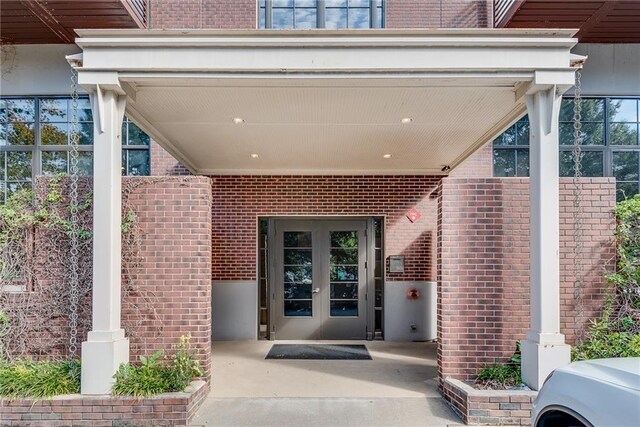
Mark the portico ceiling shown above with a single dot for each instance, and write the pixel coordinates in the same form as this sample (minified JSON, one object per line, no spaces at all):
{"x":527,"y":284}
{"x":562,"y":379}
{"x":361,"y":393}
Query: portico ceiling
{"x":316,"y":102}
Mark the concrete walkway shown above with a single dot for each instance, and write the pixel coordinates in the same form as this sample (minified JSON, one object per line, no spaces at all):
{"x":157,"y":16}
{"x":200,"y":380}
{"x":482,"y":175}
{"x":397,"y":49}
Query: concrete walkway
{"x":397,"y":388}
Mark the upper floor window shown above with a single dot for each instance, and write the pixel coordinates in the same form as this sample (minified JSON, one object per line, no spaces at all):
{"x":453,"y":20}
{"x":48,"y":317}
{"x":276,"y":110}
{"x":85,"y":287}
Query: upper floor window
{"x":35,"y":139}
{"x":331,"y":14}
{"x":610,"y":143}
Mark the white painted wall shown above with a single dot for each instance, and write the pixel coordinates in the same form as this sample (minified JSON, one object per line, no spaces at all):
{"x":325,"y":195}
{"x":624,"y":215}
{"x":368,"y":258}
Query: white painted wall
{"x":36,"y":70}
{"x":234,"y":310}
{"x":612,"y":69}
{"x":401,"y":313}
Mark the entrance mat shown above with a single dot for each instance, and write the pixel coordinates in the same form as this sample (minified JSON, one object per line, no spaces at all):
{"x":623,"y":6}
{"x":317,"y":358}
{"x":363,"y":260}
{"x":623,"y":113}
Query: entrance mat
{"x":319,"y":352}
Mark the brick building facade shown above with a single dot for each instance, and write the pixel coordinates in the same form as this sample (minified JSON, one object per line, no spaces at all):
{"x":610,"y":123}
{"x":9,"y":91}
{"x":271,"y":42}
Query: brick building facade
{"x":201,"y":240}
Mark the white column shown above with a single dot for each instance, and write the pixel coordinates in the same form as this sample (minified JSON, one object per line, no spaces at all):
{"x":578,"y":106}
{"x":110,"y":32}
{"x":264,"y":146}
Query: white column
{"x":544,"y":348}
{"x":106,"y":346}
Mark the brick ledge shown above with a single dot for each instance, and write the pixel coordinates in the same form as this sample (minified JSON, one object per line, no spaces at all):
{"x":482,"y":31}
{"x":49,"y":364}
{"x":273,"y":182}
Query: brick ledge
{"x":488,"y":407}
{"x":166,"y":409}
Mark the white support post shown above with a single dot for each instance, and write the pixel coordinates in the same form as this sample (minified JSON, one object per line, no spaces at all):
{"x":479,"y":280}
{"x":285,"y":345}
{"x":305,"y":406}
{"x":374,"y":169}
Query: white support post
{"x":544,"y":348}
{"x":106,"y":346}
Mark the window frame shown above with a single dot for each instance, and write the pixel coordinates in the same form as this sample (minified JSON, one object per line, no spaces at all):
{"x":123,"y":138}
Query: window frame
{"x":38,"y":148}
{"x":127,"y":148}
{"x":321,"y":7}
{"x":607,"y":149}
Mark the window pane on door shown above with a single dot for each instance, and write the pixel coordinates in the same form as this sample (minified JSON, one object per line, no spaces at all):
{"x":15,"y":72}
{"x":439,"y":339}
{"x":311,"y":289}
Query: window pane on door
{"x":297,"y":239}
{"x":343,"y":274}
{"x":344,"y":308}
{"x":297,"y":308}
{"x":344,"y":291}
{"x":298,"y":274}
{"x":297,"y":256}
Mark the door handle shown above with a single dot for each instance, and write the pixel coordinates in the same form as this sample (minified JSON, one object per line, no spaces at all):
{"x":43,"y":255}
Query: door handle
{"x":316,"y":291}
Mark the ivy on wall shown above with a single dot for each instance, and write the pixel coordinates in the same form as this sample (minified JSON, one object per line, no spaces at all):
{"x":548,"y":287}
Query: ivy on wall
{"x":34,"y":269}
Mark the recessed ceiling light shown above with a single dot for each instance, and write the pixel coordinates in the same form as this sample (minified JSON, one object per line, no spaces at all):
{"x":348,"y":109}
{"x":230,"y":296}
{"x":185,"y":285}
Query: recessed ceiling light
{"x":387,"y":156}
{"x":406,"y":120}
{"x":238,"y":120}
{"x":254,"y":156}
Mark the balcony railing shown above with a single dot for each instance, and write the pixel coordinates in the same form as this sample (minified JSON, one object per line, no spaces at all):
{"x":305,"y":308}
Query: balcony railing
{"x":139,"y":10}
{"x":502,"y":10}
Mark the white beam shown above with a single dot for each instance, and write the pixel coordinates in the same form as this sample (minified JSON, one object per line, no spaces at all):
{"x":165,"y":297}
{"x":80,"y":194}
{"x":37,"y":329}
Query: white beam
{"x":293,"y":52}
{"x":106,"y":346}
{"x":544,"y":348}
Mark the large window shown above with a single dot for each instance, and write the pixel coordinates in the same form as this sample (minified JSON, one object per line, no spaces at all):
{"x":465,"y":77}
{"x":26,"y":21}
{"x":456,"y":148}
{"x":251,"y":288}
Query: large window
{"x":610,"y":143}
{"x":35,"y":137}
{"x":330,"y":14}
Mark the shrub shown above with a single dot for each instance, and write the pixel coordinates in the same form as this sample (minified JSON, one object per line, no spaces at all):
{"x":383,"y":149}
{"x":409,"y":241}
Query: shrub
{"x":27,"y":378}
{"x":604,"y":341}
{"x":153,"y":377}
{"x":617,"y":332}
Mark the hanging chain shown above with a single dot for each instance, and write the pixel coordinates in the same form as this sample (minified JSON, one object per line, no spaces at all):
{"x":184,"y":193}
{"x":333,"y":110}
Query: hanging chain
{"x":73,"y":211}
{"x":578,"y":231}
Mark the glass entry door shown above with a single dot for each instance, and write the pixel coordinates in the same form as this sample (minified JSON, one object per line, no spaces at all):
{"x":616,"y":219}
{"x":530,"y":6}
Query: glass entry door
{"x":320,"y":279}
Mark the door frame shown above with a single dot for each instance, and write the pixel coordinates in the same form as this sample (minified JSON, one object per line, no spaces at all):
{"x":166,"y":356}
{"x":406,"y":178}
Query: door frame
{"x":369,"y":269}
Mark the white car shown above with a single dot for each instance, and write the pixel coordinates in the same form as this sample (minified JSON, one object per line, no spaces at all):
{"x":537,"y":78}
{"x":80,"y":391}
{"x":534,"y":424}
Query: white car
{"x":591,"y":393}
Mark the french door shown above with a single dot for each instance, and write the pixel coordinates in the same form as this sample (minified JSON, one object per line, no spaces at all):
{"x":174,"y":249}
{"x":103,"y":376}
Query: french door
{"x":320,"y":280}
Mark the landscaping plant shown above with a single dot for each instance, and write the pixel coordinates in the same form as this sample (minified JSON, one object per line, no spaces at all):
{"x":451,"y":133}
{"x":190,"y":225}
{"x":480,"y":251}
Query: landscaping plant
{"x":154,"y":375}
{"x":617,"y":332}
{"x":501,"y":375}
{"x":38,"y":379}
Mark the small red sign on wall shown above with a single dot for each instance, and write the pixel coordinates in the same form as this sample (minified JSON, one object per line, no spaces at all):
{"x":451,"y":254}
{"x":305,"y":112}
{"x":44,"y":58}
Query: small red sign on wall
{"x":413,"y":215}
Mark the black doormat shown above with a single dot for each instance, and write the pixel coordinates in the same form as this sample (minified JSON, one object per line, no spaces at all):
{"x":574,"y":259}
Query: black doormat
{"x":319,"y":352}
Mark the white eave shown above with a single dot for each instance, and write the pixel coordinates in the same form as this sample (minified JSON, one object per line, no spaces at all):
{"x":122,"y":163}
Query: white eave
{"x":319,"y":101}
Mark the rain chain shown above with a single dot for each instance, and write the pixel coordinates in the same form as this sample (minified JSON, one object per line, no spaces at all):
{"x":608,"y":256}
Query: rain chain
{"x":578,"y":231}
{"x":73,"y":211}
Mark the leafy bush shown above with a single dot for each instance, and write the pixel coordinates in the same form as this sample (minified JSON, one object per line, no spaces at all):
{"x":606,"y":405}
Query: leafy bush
{"x":27,"y":378}
{"x":604,"y":341}
{"x":501,"y":375}
{"x":617,"y":332}
{"x":152,"y":376}
{"x":148,"y":378}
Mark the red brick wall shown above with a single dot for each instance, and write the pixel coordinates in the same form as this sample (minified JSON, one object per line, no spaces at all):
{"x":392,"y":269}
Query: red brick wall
{"x":73,"y":410}
{"x":163,"y":163}
{"x":438,"y":13}
{"x":241,"y":14}
{"x":483,"y":266}
{"x":203,"y":14}
{"x":173,"y":288}
{"x":238,"y":201}
{"x":174,"y":215}
{"x":478,"y":165}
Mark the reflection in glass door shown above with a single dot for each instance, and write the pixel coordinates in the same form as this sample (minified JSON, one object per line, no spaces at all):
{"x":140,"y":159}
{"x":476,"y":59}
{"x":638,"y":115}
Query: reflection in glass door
{"x":343,"y":273}
{"x":298,"y":278}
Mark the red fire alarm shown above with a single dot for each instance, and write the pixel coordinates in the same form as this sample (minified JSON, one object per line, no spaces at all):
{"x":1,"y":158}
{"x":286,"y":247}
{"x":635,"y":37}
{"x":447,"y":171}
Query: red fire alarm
{"x":413,"y":294}
{"x":413,"y":215}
